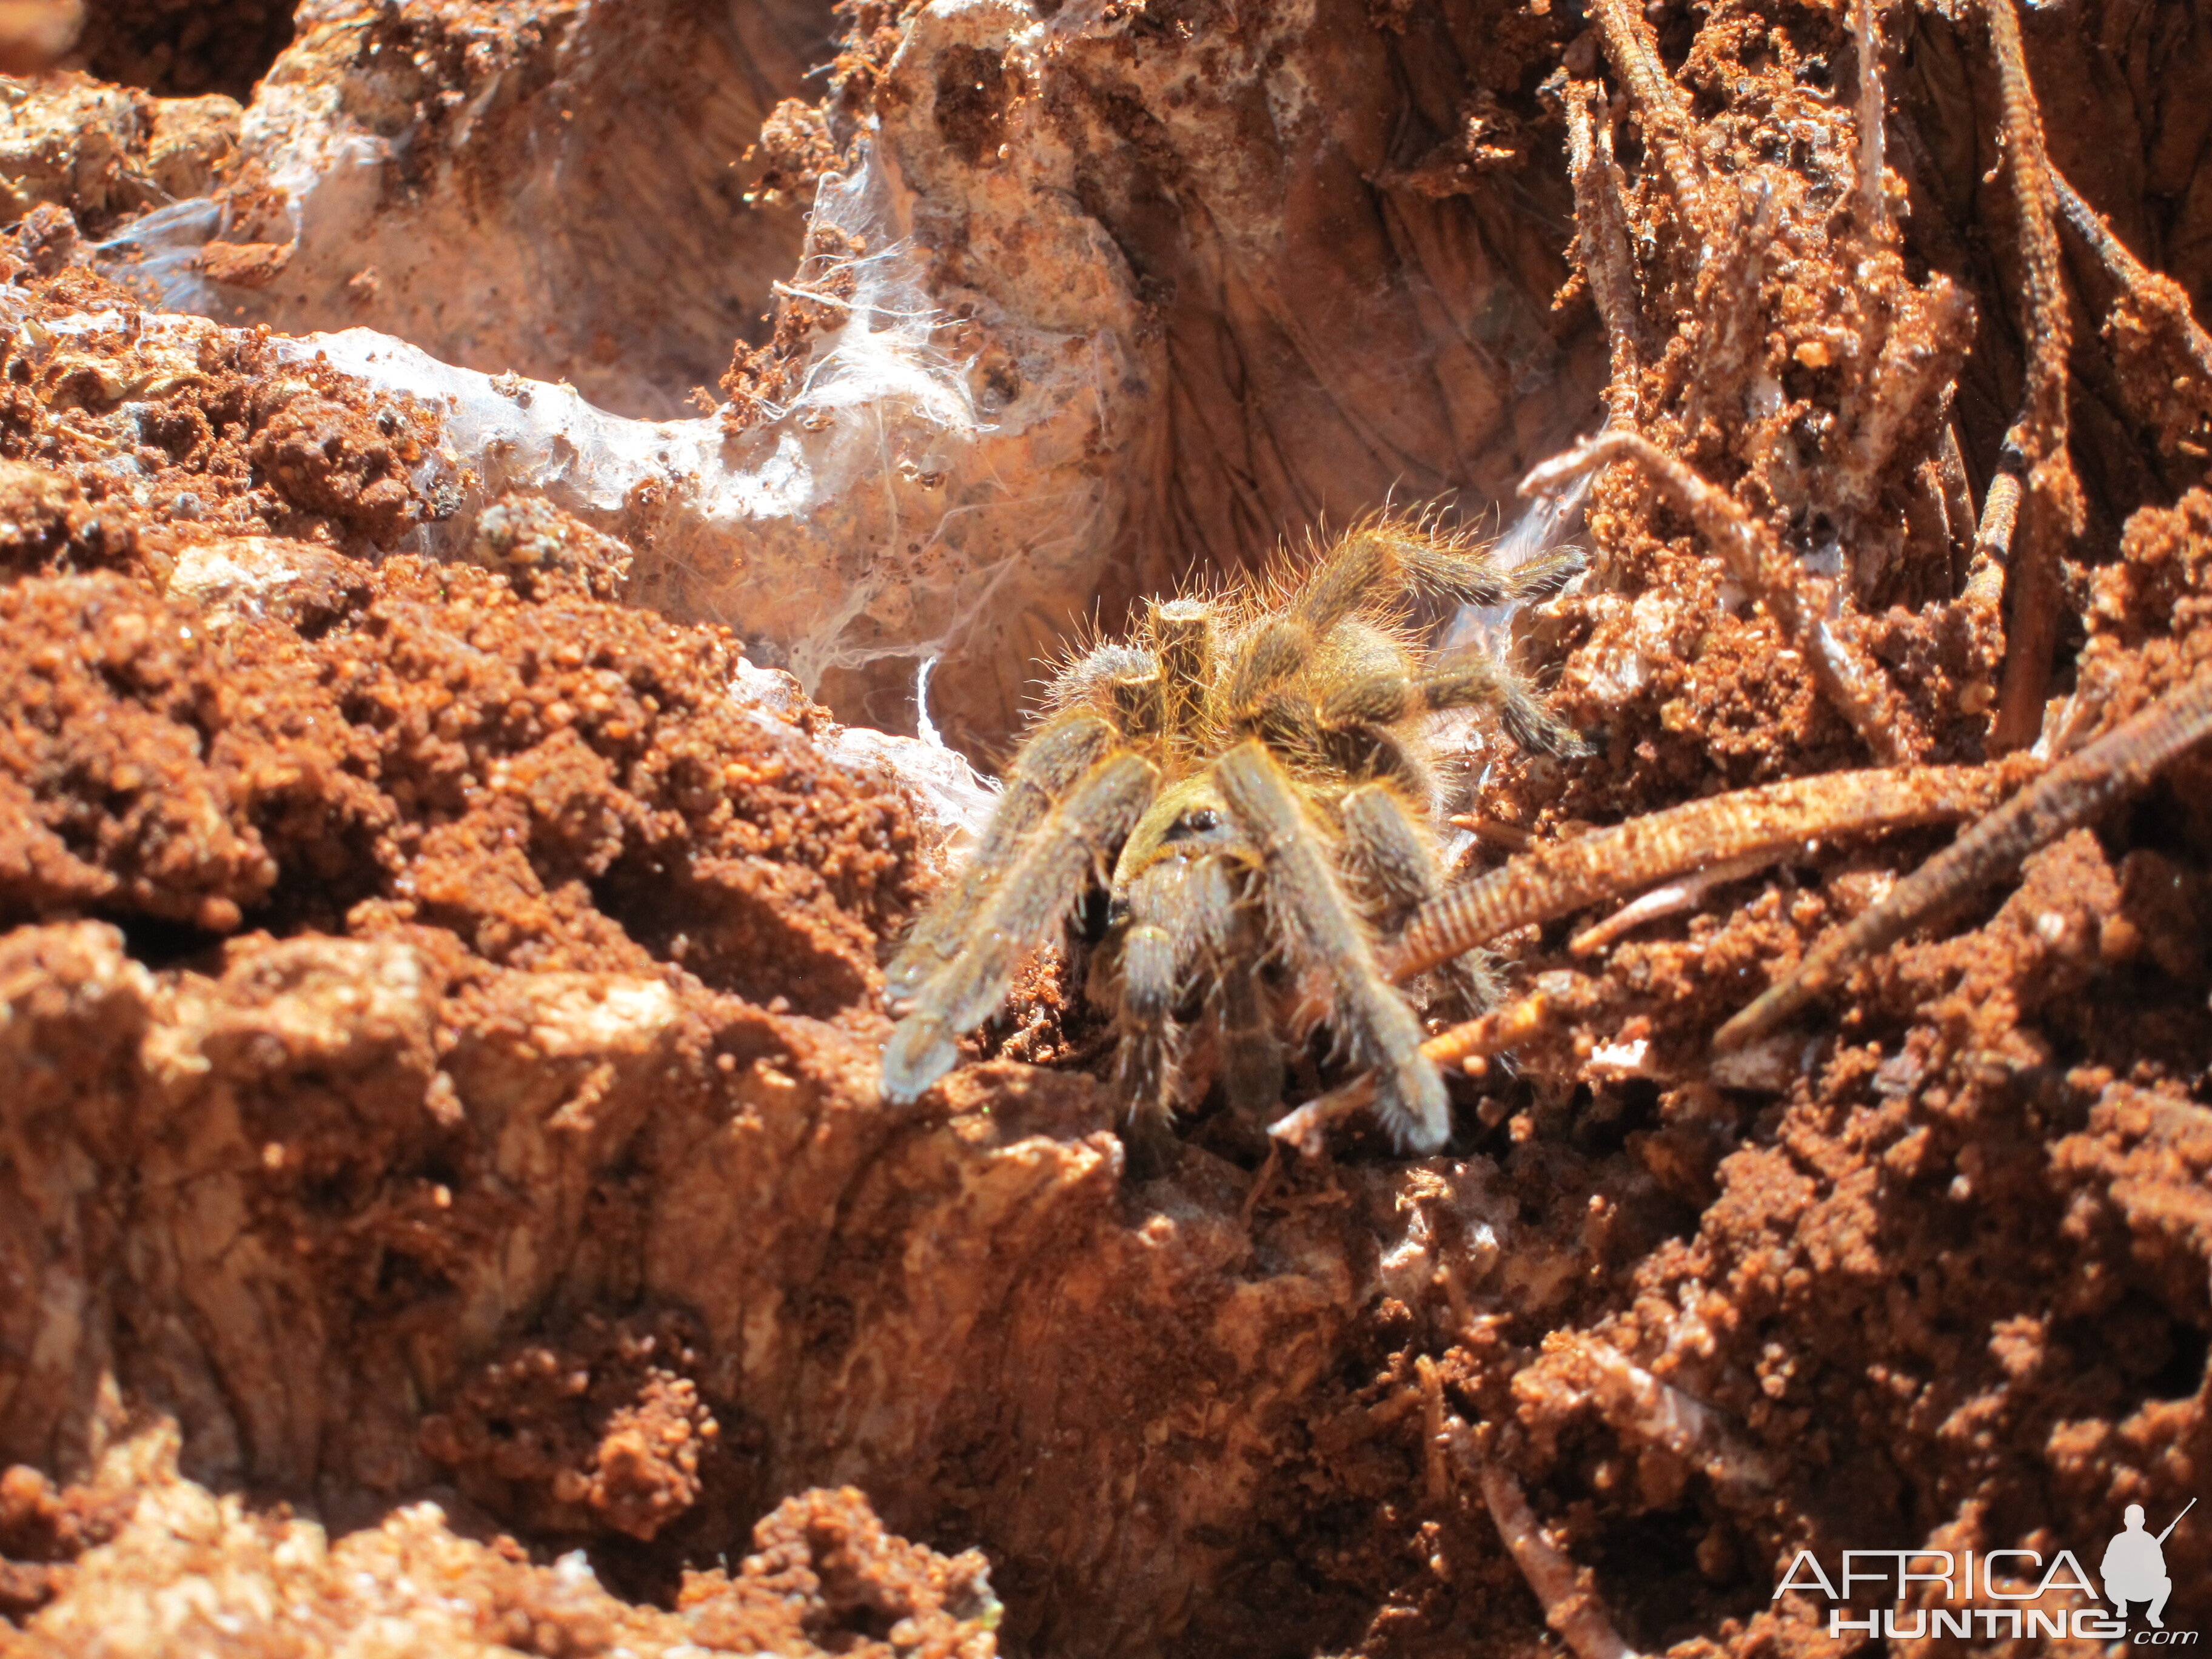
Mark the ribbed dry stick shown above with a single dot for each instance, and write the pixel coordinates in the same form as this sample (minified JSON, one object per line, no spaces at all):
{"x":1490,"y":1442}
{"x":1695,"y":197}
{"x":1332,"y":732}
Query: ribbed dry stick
{"x":1661,"y":109}
{"x":2054,"y":495}
{"x":1992,"y":555}
{"x":1570,"y":1603}
{"x":1850,"y":679}
{"x":1472,"y":1044}
{"x":1602,"y":241}
{"x":2159,"y":294}
{"x":2073,"y":791}
{"x":1468,"y":1045}
{"x":2158,"y":298}
{"x":1569,"y":876}
{"x":2044,"y":416}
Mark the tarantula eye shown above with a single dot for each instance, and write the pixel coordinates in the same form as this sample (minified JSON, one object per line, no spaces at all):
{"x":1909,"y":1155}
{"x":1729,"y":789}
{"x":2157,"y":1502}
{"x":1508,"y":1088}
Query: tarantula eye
{"x":1198,"y":820}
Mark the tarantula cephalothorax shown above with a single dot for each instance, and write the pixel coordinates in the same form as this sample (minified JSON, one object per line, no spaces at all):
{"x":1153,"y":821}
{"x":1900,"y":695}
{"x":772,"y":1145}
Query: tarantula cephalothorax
{"x":1255,"y":770}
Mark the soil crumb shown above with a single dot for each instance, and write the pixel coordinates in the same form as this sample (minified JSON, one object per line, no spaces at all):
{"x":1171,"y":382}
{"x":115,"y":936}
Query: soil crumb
{"x":172,"y":1568}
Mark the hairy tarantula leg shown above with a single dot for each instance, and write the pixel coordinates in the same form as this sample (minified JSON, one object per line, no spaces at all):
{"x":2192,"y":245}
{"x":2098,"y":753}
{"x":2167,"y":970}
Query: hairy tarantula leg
{"x":1271,"y":654}
{"x":1310,"y":908}
{"x":1166,"y":939}
{"x":1457,"y":570}
{"x":1077,"y":838}
{"x":1238,"y":943}
{"x":1182,"y":631}
{"x":1251,"y":1060}
{"x":1382,"y":849}
{"x":1476,"y":682}
{"x":1185,"y":918}
{"x":1379,"y":563}
{"x":1389,"y":556}
{"x":1385,"y":853}
{"x":1144,"y":1069}
{"x":1063,"y":750}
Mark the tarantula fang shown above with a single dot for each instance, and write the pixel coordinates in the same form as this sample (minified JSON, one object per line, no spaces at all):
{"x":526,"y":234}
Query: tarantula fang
{"x":1250,"y":779}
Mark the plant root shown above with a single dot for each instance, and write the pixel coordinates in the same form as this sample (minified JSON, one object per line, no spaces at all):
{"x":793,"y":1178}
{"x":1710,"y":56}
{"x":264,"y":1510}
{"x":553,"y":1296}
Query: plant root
{"x":1565,"y":877}
{"x":1850,"y":679}
{"x":2054,"y":495}
{"x":1570,"y":1600}
{"x":2073,"y":791}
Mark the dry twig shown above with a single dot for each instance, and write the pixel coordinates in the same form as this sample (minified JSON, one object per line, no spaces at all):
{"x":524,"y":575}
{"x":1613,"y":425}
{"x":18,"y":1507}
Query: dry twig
{"x":1850,"y":679}
{"x":1866,"y":27}
{"x":1568,"y":876}
{"x":1730,"y":832}
{"x":1661,"y":109}
{"x":2070,"y":792}
{"x":1732,"y":333}
{"x":1684,"y":893}
{"x":1471,"y":1044}
{"x":2151,"y":291}
{"x":2054,"y":495}
{"x":1570,"y":1605}
{"x":1646,"y":1409}
{"x":1992,"y":555}
{"x":1601,"y":239}
{"x":1915,"y":367}
{"x":2160,"y":303}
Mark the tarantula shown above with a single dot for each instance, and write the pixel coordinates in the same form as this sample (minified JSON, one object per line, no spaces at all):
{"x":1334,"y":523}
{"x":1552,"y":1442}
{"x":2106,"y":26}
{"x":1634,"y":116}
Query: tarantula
{"x":1255,"y":770}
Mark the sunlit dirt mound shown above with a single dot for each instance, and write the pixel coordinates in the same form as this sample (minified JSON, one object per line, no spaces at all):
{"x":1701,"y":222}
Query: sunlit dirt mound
{"x":446,"y":1200}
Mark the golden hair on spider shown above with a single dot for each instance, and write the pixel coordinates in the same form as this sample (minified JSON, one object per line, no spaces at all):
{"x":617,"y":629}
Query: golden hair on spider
{"x":1250,"y":774}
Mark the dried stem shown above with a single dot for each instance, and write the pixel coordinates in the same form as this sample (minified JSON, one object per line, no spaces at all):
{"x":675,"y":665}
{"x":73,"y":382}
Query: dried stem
{"x":1685,"y":893}
{"x":1915,"y":369}
{"x":2054,"y":495}
{"x":1992,"y":553}
{"x":1601,"y":239}
{"x":2070,"y":792}
{"x":1660,"y":109}
{"x":1846,"y":675}
{"x":2153,"y":293}
{"x":1569,"y":876}
{"x":1468,"y":1045}
{"x":1866,"y":24}
{"x":1570,"y":1604}
{"x":2159,"y":300}
{"x":1958,"y":499}
{"x":1644,"y":1408}
{"x":1472,"y":1044}
{"x":1734,"y":333}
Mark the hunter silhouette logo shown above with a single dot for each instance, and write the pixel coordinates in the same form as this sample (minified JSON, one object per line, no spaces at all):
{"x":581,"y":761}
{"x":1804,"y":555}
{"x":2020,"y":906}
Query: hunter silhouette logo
{"x":1997,"y":1594}
{"x":2134,"y":1568}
